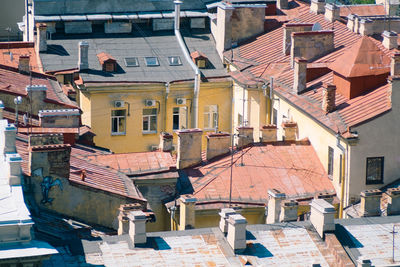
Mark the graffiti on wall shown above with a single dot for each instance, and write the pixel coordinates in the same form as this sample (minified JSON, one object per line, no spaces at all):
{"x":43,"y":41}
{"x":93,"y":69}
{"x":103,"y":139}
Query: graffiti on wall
{"x":46,"y":185}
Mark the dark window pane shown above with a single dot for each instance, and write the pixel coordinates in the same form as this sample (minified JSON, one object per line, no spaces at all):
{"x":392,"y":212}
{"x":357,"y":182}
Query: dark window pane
{"x":145,"y":124}
{"x":375,"y":170}
{"x":330,"y":161}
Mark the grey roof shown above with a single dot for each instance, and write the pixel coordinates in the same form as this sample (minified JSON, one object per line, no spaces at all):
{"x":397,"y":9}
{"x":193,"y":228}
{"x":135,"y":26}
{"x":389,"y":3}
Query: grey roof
{"x":68,"y":7}
{"x":62,"y":53}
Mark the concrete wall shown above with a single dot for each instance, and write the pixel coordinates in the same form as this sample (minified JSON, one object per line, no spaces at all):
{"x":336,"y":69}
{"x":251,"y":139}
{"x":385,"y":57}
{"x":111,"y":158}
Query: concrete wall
{"x":12,"y":12}
{"x":97,"y":104}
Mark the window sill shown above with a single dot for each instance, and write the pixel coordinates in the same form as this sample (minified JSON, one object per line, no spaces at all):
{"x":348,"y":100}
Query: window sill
{"x":149,"y":132}
{"x":117,"y":134}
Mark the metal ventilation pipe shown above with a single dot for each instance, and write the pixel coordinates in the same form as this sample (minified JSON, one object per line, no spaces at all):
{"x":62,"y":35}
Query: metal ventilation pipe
{"x":196,"y":93}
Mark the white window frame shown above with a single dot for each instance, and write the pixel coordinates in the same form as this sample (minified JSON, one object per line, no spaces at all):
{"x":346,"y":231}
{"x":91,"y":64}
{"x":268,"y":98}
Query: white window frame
{"x":211,"y":111}
{"x":181,"y":111}
{"x":118,"y":118}
{"x":149,"y":117}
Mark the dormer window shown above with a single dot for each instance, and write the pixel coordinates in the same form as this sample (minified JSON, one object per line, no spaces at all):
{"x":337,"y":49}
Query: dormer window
{"x":107,"y":62}
{"x":131,"y":62}
{"x":199,"y":59}
{"x":151,"y":61}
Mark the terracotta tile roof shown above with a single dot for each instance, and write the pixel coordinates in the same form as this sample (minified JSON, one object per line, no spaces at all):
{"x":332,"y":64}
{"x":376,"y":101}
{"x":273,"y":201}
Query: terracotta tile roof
{"x":97,"y":176}
{"x":363,"y":58}
{"x":12,"y":82}
{"x":104,"y":57}
{"x":40,"y":130}
{"x":197,"y":54}
{"x":362,"y":10}
{"x":292,"y":168}
{"x":18,"y":49}
{"x":262,"y":57}
{"x":137,"y":163}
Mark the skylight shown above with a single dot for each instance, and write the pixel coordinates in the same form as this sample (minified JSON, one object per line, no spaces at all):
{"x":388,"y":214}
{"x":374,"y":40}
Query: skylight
{"x":151,"y":61}
{"x":131,"y":62}
{"x":174,"y":61}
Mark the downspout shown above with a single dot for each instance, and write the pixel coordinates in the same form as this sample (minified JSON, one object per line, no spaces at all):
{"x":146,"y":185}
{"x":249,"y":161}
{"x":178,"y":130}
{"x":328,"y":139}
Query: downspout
{"x":342,"y":171}
{"x":196,"y":92}
{"x":165,"y":105}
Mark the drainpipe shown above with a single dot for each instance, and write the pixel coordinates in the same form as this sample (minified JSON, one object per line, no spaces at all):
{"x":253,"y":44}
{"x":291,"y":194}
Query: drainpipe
{"x":342,"y":171}
{"x":195,"y":114}
{"x":165,"y":105}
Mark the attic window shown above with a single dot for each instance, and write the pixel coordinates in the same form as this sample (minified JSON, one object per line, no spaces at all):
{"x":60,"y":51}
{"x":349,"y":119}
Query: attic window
{"x":174,"y":61}
{"x":107,"y":62}
{"x":199,"y":59}
{"x":151,"y":61}
{"x":131,"y":62}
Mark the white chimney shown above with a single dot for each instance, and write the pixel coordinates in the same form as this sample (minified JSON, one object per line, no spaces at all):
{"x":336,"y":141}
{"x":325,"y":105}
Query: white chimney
{"x":83,"y":61}
{"x":237,"y":232}
{"x":137,"y":227}
{"x":332,"y":12}
{"x":224,"y":214}
{"x":10,"y":134}
{"x":289,"y":210}
{"x":389,"y":39}
{"x":275,"y":197}
{"x":322,"y":216}
{"x":370,"y":203}
{"x":14,"y":161}
{"x":317,"y":6}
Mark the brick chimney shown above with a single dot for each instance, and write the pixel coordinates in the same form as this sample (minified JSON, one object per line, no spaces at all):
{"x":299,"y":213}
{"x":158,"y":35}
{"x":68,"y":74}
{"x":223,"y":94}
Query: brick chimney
{"x":10,"y":133}
{"x":54,"y":159}
{"x":245,"y":136}
{"x":288,"y":28}
{"x":300,"y":75}
{"x":41,"y":42}
{"x":389,"y":39}
{"x":45,"y":139}
{"x":83,"y":61}
{"x":311,"y":45}
{"x":366,"y":27}
{"x":370,"y":203}
{"x":137,"y":227}
{"x":393,"y":207}
{"x":166,"y":140}
{"x":322,"y":216}
{"x":317,"y":6}
{"x":282,"y":4}
{"x":269,"y":133}
{"x":395,"y":64}
{"x":332,"y":12}
{"x":237,"y":232}
{"x":37,"y":95}
{"x":275,"y":197}
{"x":187,"y":213}
{"x":289,"y":210}
{"x":189,"y":148}
{"x":59,"y":118}
{"x":328,"y":97}
{"x":218,"y":144}
{"x":224,"y":214}
{"x":23,"y":64}
{"x":290,"y":130}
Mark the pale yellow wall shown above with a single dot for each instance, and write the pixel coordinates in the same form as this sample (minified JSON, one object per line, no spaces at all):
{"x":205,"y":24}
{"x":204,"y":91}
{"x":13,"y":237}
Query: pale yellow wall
{"x":97,"y":104}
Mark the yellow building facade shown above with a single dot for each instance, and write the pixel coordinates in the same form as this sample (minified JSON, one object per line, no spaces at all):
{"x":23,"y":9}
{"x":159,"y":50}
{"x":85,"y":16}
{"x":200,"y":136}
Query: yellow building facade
{"x":130,"y":117}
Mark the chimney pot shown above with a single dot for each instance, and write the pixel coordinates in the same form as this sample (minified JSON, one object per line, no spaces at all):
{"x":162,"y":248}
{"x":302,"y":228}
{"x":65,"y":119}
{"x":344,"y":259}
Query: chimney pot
{"x":245,"y":136}
{"x":166,"y":140}
{"x":393,"y":207}
{"x":370,"y":202}
{"x":328,"y":97}
{"x":187,"y":212}
{"x":218,"y":144}
{"x":23,"y":64}
{"x":322,"y":216}
{"x":269,"y":133}
{"x":237,"y":232}
{"x":189,"y":148}
{"x":223,"y":223}
{"x":300,"y":75}
{"x":83,"y":62}
{"x":137,"y":227}
{"x":389,"y":39}
{"x":10,"y":134}
{"x":275,"y":197}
